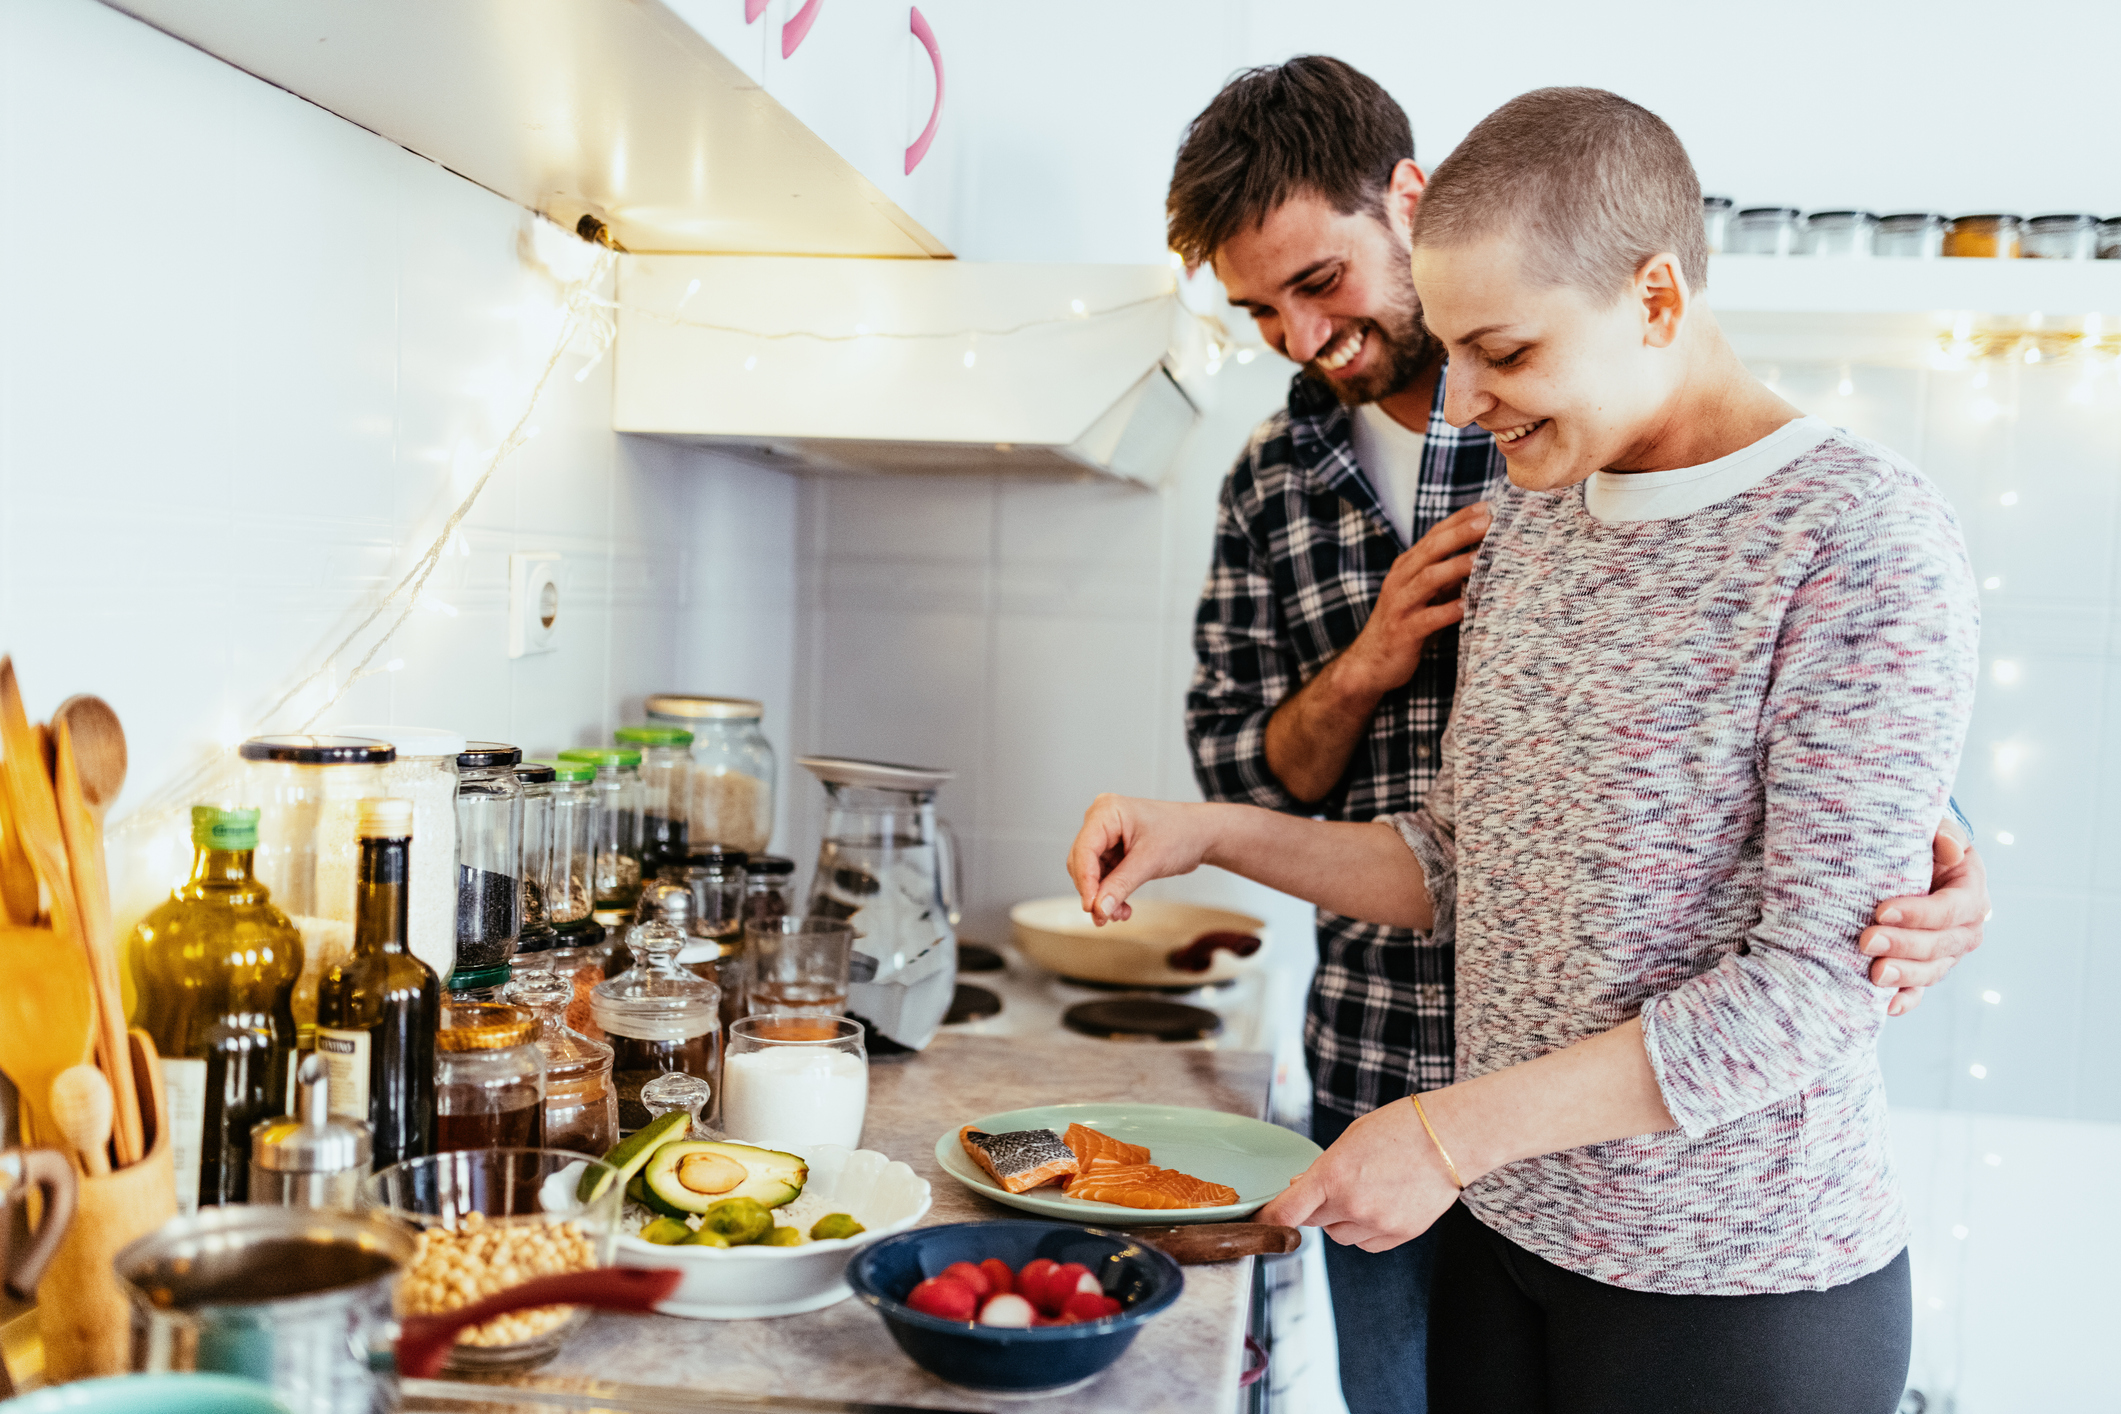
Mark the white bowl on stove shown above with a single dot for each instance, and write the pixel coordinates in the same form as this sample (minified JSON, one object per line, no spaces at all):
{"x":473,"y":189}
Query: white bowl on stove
{"x":746,"y":1283}
{"x":1055,"y":933}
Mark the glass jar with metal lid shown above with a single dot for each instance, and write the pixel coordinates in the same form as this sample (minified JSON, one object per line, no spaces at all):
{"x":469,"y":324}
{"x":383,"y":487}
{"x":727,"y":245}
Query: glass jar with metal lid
{"x":425,"y":773}
{"x":715,"y":880}
{"x":536,"y":778}
{"x":658,"y":1017}
{"x":309,"y":1159}
{"x":769,"y":887}
{"x":1716,"y":221}
{"x":563,"y":861}
{"x":733,"y":768}
{"x":489,"y":860}
{"x":489,"y":1079}
{"x":2109,"y":239}
{"x":1982,"y":237}
{"x":666,"y":791}
{"x":617,"y":789}
{"x":308,"y":790}
{"x":1909,"y":235}
{"x":1837,"y":233}
{"x":581,"y":1112}
{"x":1763,"y":230}
{"x":2060,"y":237}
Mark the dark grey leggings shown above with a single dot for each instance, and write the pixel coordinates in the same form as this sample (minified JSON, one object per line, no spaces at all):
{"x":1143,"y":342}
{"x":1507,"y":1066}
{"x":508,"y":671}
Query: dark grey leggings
{"x":1511,"y":1333}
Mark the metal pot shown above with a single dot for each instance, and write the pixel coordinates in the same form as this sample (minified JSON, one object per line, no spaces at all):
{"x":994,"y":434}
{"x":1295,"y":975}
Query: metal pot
{"x":300,"y":1300}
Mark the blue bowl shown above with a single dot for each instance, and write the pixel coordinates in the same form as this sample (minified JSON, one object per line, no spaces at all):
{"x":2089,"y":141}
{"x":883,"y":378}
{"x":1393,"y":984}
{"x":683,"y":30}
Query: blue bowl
{"x":1038,"y":1360}
{"x":150,"y":1394}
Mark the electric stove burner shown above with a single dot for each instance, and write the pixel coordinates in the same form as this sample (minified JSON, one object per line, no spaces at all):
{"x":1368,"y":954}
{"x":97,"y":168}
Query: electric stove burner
{"x":1135,"y":989}
{"x":978,"y":957}
{"x":971,"y":1003}
{"x":1141,"y":1019}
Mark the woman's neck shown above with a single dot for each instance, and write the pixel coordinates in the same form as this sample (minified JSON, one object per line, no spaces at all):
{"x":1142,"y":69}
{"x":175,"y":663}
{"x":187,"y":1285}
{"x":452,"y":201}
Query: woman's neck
{"x":1718,"y":408}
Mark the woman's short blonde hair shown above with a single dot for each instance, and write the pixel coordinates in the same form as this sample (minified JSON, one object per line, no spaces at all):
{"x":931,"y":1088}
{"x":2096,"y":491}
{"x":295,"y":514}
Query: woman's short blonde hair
{"x":1589,"y":184}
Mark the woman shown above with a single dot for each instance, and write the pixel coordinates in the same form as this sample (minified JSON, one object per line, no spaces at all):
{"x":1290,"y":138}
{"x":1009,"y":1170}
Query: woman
{"x":1715,"y":674}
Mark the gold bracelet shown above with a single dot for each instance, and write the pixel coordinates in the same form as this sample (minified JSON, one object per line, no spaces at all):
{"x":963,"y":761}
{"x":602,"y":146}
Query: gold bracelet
{"x":1441,"y":1152}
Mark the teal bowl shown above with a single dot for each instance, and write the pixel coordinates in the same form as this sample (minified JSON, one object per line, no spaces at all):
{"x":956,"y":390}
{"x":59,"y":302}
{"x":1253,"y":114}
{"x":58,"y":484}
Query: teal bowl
{"x":150,"y":1394}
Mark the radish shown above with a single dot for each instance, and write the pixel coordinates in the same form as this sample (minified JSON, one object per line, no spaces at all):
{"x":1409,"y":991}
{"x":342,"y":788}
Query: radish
{"x":1060,"y":1284}
{"x":975,"y":1277}
{"x":1086,"y":1306}
{"x":941,"y":1296}
{"x":1007,"y":1309}
{"x":999,"y":1278}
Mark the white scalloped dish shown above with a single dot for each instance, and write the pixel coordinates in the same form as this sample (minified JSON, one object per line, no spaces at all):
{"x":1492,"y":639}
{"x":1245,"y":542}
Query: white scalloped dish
{"x":745,"y":1283}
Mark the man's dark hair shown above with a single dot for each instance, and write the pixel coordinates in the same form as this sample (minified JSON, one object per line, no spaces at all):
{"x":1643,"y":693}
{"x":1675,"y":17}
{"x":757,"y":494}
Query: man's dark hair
{"x":1311,"y":126}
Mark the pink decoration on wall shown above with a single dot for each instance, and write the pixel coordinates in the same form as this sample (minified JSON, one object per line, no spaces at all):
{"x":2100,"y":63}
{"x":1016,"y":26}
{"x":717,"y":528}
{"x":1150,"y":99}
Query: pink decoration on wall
{"x":792,"y":33}
{"x":926,"y":36}
{"x":753,"y":9}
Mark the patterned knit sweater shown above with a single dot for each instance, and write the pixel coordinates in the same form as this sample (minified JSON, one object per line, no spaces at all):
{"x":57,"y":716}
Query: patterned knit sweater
{"x":1690,"y":754}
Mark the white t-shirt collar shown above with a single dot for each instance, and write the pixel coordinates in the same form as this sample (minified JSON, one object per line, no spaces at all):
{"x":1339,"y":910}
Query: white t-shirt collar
{"x":1617,"y":496}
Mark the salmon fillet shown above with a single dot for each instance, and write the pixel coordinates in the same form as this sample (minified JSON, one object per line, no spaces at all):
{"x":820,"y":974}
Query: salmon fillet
{"x":1022,"y":1159}
{"x":1093,"y":1146}
{"x":1146,"y":1186}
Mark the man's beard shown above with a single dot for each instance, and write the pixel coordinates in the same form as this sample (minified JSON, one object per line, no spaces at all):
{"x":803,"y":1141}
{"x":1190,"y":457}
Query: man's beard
{"x":1402,"y":349}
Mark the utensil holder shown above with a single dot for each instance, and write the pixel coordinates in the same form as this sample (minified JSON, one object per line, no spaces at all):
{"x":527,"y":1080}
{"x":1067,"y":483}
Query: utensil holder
{"x":82,"y":1313}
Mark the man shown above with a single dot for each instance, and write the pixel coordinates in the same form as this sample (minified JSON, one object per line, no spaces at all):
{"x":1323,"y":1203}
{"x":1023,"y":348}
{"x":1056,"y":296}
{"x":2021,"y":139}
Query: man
{"x":1326,"y":640}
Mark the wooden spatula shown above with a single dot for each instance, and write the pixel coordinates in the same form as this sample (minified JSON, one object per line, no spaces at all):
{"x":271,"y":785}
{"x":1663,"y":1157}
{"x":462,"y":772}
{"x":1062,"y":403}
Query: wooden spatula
{"x":47,"y":1017}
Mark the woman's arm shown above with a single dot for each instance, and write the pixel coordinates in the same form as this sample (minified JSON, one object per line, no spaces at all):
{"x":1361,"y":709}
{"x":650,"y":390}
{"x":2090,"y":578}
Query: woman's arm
{"x":1359,"y":871}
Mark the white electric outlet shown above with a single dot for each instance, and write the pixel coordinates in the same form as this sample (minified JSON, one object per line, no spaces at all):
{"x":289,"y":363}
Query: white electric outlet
{"x":533,"y":602}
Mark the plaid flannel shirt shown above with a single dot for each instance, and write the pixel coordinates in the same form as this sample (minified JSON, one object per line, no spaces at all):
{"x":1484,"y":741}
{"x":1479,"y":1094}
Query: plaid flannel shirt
{"x":1302,"y":547}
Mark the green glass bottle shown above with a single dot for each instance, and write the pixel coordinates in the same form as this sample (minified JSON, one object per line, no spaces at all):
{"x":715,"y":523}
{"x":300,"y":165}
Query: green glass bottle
{"x":378,"y":1011}
{"x":214,"y":973}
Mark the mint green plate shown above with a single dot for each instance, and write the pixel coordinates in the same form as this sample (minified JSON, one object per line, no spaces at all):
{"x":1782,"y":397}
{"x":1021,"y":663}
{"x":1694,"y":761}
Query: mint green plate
{"x":1255,"y":1158}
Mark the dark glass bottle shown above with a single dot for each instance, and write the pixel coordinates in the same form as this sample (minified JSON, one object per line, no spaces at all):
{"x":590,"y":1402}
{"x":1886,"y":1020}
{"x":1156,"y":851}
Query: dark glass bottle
{"x":378,"y":1011}
{"x":214,"y":969}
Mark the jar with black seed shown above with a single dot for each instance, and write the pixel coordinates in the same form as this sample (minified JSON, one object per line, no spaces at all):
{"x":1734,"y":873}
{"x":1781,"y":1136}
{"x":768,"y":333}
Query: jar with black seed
{"x":489,"y":856}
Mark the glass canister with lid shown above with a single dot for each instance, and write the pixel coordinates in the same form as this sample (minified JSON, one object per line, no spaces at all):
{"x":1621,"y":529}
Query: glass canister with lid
{"x":489,"y":1079}
{"x":489,"y":861}
{"x":733,"y":768}
{"x":536,"y":778}
{"x":666,"y":791}
{"x":425,"y":773}
{"x":715,"y":881}
{"x":563,"y":861}
{"x":617,"y":791}
{"x":769,"y":887}
{"x":1716,"y":221}
{"x":2109,"y":239}
{"x":658,"y":1017}
{"x":1909,"y":235}
{"x":581,"y":1111}
{"x":1837,"y":233}
{"x":1763,"y":230}
{"x":2060,"y":237}
{"x":308,"y":791}
{"x":1989,"y":237}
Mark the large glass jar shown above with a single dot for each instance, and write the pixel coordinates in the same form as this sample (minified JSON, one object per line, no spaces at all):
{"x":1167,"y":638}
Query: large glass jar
{"x":425,"y":773}
{"x":536,"y":778}
{"x":617,"y":789}
{"x":658,"y":1017}
{"x":489,"y":1079}
{"x":581,"y":1112}
{"x":1982,"y":237}
{"x":2060,"y":237}
{"x":666,"y":791}
{"x":1909,"y":235}
{"x":733,"y":769}
{"x":769,"y":887}
{"x":308,"y":790}
{"x":489,"y":856}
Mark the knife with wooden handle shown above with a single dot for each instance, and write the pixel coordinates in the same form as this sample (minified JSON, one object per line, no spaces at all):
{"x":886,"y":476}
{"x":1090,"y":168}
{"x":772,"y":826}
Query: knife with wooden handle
{"x":1196,"y":1244}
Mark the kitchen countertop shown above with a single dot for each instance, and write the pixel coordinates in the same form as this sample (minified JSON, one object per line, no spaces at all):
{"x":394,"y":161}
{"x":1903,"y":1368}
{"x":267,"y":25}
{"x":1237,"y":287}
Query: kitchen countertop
{"x":1187,"y":1359}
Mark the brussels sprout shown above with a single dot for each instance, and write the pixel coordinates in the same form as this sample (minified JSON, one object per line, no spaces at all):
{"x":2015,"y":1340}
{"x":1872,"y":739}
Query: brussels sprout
{"x":665,"y":1232}
{"x":782,"y":1237}
{"x":833,"y":1225}
{"x":741,"y":1220}
{"x":706,"y":1237}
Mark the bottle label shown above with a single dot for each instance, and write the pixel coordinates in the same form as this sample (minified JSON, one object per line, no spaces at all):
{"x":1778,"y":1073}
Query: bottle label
{"x":346,"y":1065}
{"x":184,"y":1091}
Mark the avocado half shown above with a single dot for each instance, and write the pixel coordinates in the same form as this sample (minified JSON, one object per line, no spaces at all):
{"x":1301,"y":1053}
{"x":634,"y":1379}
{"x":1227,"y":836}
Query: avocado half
{"x":690,"y":1176}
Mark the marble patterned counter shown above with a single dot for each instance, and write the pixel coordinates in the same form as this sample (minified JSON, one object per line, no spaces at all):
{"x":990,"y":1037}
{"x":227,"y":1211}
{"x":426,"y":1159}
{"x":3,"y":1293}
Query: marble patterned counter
{"x":1187,"y":1359}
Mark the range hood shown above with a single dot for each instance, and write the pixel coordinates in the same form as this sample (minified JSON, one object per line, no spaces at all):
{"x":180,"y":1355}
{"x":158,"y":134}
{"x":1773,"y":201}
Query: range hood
{"x":910,"y":366}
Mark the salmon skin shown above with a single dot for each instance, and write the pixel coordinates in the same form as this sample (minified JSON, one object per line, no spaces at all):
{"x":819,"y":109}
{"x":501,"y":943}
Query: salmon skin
{"x":1022,"y":1159}
{"x":1147,"y":1186}
{"x":1094,"y":1146}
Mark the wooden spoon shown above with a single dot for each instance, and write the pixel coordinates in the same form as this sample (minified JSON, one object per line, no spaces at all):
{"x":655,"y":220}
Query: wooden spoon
{"x":82,"y":1107}
{"x":18,"y":882}
{"x":47,"y":1017}
{"x":84,"y":852}
{"x":99,"y":749}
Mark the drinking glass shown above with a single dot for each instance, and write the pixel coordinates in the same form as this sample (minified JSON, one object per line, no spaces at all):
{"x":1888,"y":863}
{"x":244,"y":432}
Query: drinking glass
{"x":798,"y":966}
{"x":789,"y":1082}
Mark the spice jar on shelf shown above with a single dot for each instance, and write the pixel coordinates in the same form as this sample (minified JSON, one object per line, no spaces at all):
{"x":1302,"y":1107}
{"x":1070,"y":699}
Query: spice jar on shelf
{"x":1763,"y":230}
{"x":658,"y":1017}
{"x":2109,"y":239}
{"x":1909,"y":235}
{"x":489,"y":864}
{"x":733,"y":768}
{"x":308,"y":791}
{"x":2060,"y":237}
{"x":715,"y":879}
{"x":536,"y":778}
{"x":1837,"y":233}
{"x":1716,"y":221}
{"x":489,"y":1079}
{"x":425,"y":773}
{"x":769,"y":887}
{"x":581,"y":1111}
{"x":564,"y":865}
{"x":666,"y":791}
{"x":1982,"y":237}
{"x":617,"y":790}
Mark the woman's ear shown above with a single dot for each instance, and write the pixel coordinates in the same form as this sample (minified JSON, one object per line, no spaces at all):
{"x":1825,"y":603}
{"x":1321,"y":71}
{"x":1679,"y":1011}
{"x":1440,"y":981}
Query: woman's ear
{"x":1662,"y":292}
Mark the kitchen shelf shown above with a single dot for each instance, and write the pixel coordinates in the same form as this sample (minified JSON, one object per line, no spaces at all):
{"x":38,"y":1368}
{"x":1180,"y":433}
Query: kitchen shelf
{"x":613,"y":108}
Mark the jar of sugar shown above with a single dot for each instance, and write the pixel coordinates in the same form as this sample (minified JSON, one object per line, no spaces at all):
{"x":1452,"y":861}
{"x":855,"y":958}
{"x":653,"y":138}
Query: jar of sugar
{"x":792,"y":1082}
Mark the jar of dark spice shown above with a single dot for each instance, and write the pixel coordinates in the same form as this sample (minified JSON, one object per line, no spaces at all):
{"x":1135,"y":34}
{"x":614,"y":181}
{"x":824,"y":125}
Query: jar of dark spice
{"x":581,"y":1111}
{"x":659,"y":1018}
{"x":489,"y":856}
{"x":489,"y":1079}
{"x":666,"y":791}
{"x":769,"y":887}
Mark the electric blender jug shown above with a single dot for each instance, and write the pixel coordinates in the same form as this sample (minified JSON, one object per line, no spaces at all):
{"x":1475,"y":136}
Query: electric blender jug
{"x":888,"y":868}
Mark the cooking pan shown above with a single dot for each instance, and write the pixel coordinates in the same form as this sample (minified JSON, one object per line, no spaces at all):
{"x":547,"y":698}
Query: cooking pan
{"x":1056,"y":934}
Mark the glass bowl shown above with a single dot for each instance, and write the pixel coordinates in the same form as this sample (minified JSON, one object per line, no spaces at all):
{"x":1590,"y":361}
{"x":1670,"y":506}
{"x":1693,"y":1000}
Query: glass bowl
{"x":490,"y":1219}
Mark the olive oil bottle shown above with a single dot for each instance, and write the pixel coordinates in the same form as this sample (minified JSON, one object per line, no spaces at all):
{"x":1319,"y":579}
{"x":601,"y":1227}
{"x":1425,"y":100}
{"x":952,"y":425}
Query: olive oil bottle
{"x":378,"y":1011}
{"x":214,"y":973}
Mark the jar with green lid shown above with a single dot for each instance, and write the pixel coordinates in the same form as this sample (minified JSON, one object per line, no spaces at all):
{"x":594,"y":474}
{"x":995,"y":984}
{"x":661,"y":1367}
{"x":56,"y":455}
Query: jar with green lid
{"x":561,"y":861}
{"x":535,"y":778}
{"x":666,"y":791}
{"x":617,"y":791}
{"x":733,"y":768}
